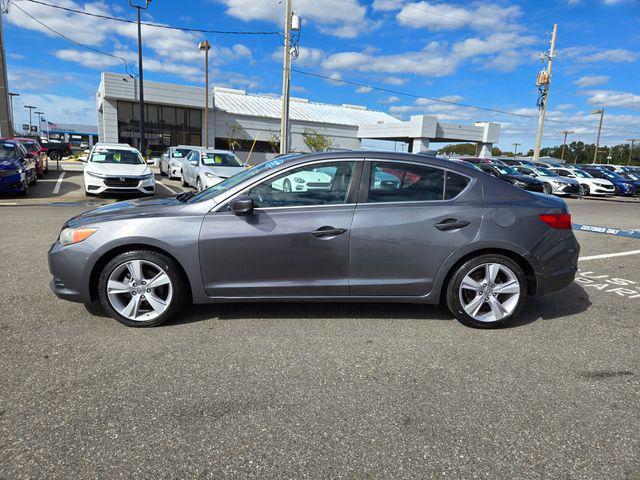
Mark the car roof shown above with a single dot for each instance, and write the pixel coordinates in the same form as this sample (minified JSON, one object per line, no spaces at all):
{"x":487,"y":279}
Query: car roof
{"x":118,"y":146}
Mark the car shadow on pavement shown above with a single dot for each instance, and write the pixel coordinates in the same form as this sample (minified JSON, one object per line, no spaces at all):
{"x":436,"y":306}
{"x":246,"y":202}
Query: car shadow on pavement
{"x":571,"y":301}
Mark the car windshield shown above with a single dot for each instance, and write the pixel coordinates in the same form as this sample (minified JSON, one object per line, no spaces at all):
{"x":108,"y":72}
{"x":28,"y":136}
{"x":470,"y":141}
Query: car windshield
{"x":180,"y":152}
{"x":610,"y":175}
{"x":231,"y":182}
{"x":545,"y":172}
{"x":31,"y":146}
{"x":581,"y":174}
{"x":122,"y":157}
{"x":505,"y":170}
{"x":7,"y":152}
{"x":213,"y":159}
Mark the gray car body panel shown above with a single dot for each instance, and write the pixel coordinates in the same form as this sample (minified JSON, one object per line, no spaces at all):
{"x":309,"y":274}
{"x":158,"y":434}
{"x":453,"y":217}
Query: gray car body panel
{"x":272,"y":254}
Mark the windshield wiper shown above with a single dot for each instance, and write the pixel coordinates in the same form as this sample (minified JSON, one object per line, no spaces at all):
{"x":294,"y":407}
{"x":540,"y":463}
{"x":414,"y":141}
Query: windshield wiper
{"x":184,"y":196}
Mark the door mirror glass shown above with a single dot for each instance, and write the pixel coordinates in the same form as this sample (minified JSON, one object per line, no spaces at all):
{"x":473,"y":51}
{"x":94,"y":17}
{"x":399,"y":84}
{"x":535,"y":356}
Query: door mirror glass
{"x":242,"y":205}
{"x":194,"y":163}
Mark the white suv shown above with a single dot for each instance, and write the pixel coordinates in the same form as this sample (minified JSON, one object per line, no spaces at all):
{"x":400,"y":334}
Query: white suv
{"x":117,"y":168}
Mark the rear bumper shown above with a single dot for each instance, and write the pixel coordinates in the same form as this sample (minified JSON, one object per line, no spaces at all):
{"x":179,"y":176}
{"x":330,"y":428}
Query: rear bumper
{"x":555,"y":261}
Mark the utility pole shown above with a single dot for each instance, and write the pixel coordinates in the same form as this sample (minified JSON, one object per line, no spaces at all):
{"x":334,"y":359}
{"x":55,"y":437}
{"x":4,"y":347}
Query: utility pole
{"x":632,"y":140}
{"x":13,"y":123}
{"x":515,"y":148}
{"x":6,"y":120}
{"x":140,"y":77}
{"x":205,"y":47}
{"x":543,"y":83}
{"x":564,"y":143}
{"x":39,"y":121}
{"x":291,"y":23}
{"x":595,"y":112}
{"x":31,"y":108}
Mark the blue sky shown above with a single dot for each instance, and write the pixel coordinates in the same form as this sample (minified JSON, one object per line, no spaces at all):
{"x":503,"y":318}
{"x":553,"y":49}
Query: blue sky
{"x":478,"y":53}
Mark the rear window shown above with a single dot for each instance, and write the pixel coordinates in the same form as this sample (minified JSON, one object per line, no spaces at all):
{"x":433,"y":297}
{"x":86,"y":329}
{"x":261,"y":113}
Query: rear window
{"x":404,"y":182}
{"x":455,"y":184}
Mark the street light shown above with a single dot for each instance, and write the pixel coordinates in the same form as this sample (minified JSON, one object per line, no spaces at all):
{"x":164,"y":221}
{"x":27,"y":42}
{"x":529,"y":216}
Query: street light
{"x":140,"y":78}
{"x":632,"y":140}
{"x":515,"y":148}
{"x":564,"y":143}
{"x":205,"y":46}
{"x":31,"y":108}
{"x":13,"y":123}
{"x":39,"y":120}
{"x":601,"y":113}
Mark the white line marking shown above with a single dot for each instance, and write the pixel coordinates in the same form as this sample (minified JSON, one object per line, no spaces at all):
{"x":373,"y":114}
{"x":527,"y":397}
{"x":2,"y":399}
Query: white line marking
{"x":56,"y":189}
{"x":7,"y":204}
{"x":610,"y":255}
{"x":167,"y":187}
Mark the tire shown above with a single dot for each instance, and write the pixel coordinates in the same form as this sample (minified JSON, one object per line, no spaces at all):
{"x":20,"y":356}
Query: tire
{"x":55,"y":155}
{"x":548,"y":189}
{"x":34,"y":179}
{"x":584,"y":190}
{"x":485,"y":317}
{"x":160,"y":168}
{"x":25,"y":189}
{"x":174,"y":292}
{"x":286,"y":185}
{"x":182,"y":180}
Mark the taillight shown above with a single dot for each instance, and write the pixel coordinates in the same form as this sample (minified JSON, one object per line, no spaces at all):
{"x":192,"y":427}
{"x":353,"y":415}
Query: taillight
{"x":557,"y":220}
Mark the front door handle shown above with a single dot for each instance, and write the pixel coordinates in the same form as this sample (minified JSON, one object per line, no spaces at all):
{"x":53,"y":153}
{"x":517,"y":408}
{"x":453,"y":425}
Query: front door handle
{"x":328,"y":231}
{"x":451,"y":224}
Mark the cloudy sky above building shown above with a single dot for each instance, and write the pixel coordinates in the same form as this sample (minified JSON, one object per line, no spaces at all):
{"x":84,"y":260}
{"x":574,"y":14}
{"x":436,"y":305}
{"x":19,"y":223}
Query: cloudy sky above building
{"x":408,"y":57}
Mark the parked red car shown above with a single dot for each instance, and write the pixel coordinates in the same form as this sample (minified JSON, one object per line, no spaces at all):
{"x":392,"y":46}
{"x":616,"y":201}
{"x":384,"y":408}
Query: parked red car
{"x":40,"y":154}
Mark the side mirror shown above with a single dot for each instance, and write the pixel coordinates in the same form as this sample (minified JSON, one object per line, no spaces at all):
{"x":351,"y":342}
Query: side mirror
{"x":87,"y":152}
{"x":242,"y":205}
{"x":151,"y":161}
{"x":194,"y":163}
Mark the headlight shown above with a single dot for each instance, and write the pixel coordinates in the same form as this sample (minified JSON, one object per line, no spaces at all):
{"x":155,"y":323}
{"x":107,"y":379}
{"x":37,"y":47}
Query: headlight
{"x":298,"y":180}
{"x":69,"y":236}
{"x":148,"y":176}
{"x":211,"y":175}
{"x":96,"y":175}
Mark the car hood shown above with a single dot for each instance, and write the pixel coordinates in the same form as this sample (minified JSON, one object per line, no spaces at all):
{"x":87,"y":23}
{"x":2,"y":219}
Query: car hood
{"x":144,"y":207}
{"x":9,"y":164}
{"x":522,"y":178}
{"x":223,"y":172}
{"x":116,"y":169}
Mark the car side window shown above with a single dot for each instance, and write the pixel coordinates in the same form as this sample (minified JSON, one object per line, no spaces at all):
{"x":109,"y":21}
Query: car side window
{"x":405,"y":182}
{"x":314,"y":184}
{"x":454,"y":185}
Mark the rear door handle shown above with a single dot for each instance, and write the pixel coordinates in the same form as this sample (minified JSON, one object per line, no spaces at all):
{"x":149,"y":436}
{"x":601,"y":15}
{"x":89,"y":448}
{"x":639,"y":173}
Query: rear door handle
{"x":328,"y":231}
{"x":451,"y":224}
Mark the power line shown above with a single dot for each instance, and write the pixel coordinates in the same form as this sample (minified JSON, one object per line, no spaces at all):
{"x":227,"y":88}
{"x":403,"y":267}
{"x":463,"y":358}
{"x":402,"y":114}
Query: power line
{"x":82,"y":45}
{"x":149,"y":24}
{"x":449,"y":102}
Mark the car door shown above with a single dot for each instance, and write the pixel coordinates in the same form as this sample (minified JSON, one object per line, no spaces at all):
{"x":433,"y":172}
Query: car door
{"x":403,"y":232}
{"x":296,"y":241}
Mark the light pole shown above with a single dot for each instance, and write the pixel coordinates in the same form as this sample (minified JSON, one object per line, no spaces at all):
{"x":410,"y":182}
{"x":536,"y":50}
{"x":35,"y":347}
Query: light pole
{"x":39,"y":120}
{"x":205,"y":47}
{"x":31,"y":108}
{"x":596,"y":112}
{"x":292,"y":24}
{"x":515,"y":148}
{"x":564,"y":143}
{"x":140,"y":77}
{"x":13,"y":124}
{"x":632,"y":140}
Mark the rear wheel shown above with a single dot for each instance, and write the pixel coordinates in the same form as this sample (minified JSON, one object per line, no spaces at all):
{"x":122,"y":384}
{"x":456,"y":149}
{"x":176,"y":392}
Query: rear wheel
{"x":142,"y":288}
{"x":198,"y":185}
{"x":55,"y":155}
{"x":487,"y":291}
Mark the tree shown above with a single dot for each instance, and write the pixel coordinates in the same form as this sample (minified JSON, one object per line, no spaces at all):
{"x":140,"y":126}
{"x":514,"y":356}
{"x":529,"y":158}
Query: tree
{"x":236,"y":135}
{"x":468,"y":149}
{"x":315,"y":141}
{"x":274,"y":142}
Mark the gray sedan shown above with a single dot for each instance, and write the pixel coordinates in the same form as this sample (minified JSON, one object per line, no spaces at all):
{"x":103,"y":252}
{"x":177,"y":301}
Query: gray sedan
{"x":438,"y":232}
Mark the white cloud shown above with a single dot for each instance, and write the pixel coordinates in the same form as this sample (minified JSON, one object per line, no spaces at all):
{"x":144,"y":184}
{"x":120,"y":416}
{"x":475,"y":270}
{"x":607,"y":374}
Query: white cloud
{"x":611,"y":98}
{"x":590,"y":54}
{"x":87,"y":59}
{"x":392,"y":99}
{"x":394,"y":80}
{"x":386,"y":5}
{"x":592,"y":80}
{"x":62,"y":109}
{"x":333,"y":17}
{"x":242,"y":50}
{"x":35,"y":80}
{"x":364,"y":90}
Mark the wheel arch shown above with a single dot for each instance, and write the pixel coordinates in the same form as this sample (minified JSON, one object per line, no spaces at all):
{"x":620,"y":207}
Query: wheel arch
{"x":522,"y":262}
{"x":106,"y":257}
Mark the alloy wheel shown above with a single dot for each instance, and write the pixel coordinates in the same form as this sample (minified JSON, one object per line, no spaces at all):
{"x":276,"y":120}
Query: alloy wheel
{"x":139,"y":290}
{"x":489,"y":292}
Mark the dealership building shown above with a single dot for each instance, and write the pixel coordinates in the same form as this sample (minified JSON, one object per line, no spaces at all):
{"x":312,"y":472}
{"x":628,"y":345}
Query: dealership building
{"x":174,"y":115}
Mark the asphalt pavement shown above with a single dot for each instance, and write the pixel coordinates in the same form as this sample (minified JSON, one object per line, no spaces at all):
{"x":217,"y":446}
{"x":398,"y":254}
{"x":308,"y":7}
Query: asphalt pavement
{"x":320,"y":390}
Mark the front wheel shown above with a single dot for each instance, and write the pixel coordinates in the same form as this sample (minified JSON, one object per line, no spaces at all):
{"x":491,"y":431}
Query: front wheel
{"x":584,"y":190}
{"x":55,"y":155}
{"x":142,"y":288}
{"x":487,"y":291}
{"x":547,"y":188}
{"x":183,"y":182}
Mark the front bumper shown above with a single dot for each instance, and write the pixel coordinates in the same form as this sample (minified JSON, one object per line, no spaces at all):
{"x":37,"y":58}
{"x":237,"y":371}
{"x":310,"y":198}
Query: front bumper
{"x":67,"y":265}
{"x":122,"y":184}
{"x":13,"y":183}
{"x":563,"y":189}
{"x":601,"y":190}
{"x":174,"y":170}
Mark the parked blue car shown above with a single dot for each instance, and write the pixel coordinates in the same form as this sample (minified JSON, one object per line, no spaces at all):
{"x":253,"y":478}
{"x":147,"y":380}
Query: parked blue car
{"x":15,"y":174}
{"x":623,"y":185}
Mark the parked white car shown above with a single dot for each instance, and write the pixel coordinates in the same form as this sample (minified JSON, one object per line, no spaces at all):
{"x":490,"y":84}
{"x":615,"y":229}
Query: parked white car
{"x":553,"y":183}
{"x":588,"y":184}
{"x":117,"y":168}
{"x":170,"y":163}
{"x":205,"y":167}
{"x":303,"y":181}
